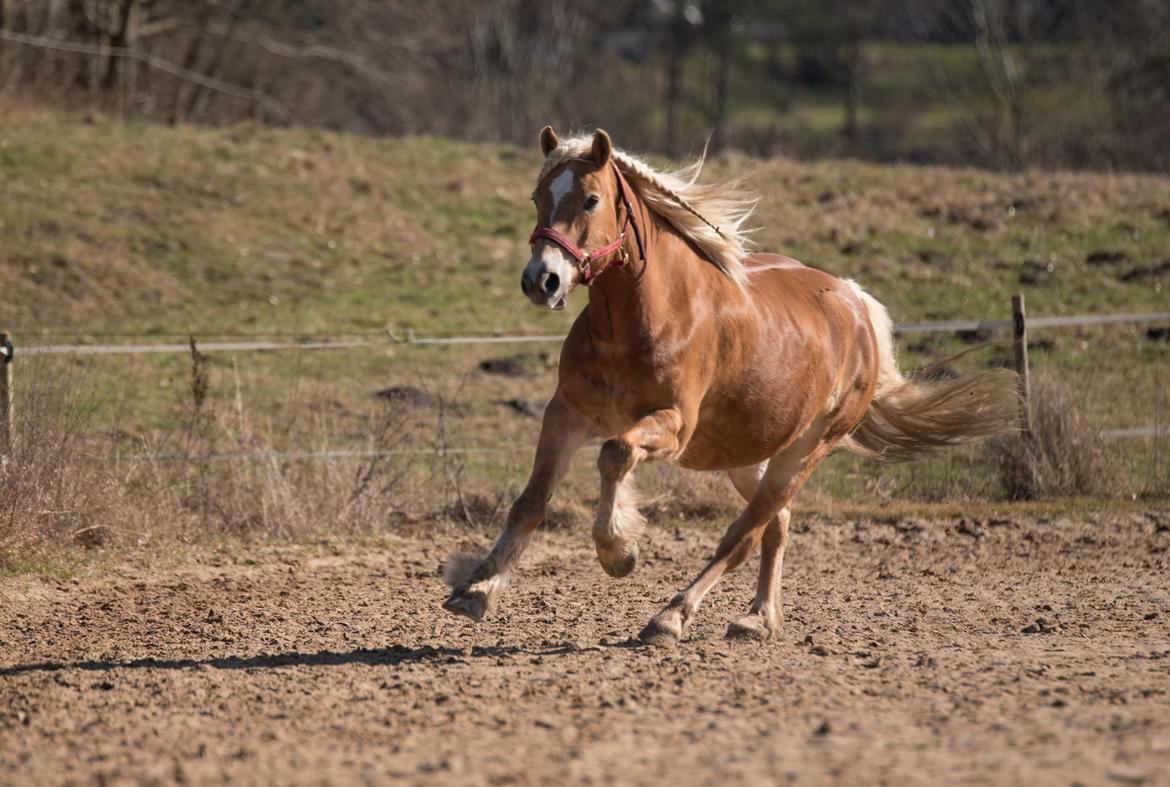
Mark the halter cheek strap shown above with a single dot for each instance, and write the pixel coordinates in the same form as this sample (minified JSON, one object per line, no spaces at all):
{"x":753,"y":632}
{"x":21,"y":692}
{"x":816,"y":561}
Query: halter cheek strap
{"x":585,"y":259}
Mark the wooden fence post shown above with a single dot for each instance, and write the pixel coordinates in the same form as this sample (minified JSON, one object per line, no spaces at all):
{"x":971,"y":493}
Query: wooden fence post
{"x":1020,"y":329}
{"x":7,"y":403}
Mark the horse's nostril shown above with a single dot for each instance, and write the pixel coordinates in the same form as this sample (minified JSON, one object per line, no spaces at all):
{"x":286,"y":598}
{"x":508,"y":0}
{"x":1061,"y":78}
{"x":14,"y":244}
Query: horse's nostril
{"x":552,"y":283}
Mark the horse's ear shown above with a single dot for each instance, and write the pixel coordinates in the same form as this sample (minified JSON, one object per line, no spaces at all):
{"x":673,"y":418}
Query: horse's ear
{"x":548,"y":140}
{"x":602,"y":147}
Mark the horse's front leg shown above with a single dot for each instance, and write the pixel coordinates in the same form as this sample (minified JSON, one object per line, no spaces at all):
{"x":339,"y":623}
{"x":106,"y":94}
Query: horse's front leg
{"x":618,"y":523}
{"x":475,"y":582}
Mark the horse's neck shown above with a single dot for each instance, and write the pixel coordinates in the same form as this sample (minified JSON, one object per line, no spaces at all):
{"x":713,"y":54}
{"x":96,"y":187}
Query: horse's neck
{"x":630,"y":305}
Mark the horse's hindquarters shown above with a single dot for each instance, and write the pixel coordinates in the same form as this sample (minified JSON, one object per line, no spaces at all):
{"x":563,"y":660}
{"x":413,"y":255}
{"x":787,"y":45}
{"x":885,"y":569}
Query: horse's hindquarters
{"x":804,"y":350}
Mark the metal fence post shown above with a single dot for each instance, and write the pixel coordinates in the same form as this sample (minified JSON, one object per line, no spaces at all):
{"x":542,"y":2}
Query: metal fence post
{"x":1020,"y":330}
{"x":7,"y":402}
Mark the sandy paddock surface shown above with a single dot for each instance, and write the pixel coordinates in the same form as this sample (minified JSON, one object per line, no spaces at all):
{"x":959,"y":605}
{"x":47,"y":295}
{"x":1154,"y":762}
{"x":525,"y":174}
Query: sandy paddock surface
{"x":1014,"y":650}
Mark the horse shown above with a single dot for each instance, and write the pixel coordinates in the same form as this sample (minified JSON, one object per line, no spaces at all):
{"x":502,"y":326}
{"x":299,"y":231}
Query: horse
{"x":693,"y":350}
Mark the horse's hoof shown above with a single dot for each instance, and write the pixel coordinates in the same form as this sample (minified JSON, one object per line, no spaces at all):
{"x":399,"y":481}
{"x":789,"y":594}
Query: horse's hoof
{"x":664,"y":629}
{"x":749,"y":627}
{"x":619,"y":562}
{"x":471,"y":604}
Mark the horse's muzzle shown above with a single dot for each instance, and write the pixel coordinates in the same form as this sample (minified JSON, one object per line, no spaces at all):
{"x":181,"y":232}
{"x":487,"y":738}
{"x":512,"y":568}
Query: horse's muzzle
{"x":546,"y":283}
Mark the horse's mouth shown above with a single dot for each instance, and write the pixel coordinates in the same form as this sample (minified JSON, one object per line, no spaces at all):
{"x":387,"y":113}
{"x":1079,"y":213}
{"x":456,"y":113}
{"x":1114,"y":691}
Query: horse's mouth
{"x":561,"y":302}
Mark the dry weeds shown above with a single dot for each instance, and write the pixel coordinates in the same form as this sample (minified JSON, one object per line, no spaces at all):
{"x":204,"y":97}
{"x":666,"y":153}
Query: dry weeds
{"x":1062,"y":456}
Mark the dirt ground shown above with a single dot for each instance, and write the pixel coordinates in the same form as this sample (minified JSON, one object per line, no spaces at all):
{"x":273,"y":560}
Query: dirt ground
{"x":1014,"y":650}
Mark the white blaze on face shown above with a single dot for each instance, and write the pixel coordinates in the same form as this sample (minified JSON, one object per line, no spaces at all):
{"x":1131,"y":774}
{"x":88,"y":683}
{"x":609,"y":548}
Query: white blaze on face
{"x":549,"y":276}
{"x":554,"y":256}
{"x":560,"y":187}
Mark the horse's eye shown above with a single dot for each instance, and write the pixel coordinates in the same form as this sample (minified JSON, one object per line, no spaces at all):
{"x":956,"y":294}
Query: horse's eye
{"x":591,"y":202}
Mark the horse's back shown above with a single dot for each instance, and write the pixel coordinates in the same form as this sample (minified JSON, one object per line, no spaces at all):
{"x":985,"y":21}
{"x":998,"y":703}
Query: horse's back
{"x":766,"y":270}
{"x":783,"y":285}
{"x":765,"y":261}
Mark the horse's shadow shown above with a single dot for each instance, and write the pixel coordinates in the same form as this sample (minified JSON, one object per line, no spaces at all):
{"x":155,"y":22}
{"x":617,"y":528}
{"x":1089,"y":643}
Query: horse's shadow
{"x":393,"y":655}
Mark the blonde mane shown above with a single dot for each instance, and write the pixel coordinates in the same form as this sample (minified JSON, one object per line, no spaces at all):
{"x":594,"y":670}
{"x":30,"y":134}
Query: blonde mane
{"x":711,"y":216}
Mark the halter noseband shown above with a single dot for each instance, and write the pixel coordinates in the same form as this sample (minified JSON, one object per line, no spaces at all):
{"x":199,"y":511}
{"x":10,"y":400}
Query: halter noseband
{"x":585,"y":258}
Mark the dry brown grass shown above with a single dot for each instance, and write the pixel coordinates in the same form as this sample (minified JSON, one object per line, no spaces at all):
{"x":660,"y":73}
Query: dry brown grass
{"x":215,"y":473}
{"x":220,"y":471}
{"x":1062,"y":456}
{"x":228,"y":475}
{"x":53,"y":489}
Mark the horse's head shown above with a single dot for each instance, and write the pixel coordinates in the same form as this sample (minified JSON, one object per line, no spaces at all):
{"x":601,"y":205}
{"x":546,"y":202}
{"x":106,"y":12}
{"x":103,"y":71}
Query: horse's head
{"x":577,"y":204}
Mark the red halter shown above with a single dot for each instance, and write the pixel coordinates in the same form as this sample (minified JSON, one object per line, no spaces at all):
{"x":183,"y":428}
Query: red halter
{"x":585,"y":258}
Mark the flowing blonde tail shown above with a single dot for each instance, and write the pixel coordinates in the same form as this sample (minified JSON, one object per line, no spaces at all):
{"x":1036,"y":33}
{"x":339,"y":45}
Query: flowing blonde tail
{"x":930,"y":410}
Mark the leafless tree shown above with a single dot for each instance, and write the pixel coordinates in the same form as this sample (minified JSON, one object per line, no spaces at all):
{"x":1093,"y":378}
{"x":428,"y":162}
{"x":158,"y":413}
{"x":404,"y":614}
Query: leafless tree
{"x":654,"y":72}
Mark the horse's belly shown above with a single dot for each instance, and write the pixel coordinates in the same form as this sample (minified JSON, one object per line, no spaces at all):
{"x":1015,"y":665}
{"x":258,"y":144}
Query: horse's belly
{"x":737,"y":436}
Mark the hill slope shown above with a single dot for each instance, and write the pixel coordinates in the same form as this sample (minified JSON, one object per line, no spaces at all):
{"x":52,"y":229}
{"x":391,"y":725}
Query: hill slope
{"x":139,"y":228}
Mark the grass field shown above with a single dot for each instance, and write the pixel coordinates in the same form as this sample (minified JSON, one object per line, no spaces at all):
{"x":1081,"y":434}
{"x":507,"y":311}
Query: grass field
{"x":129,"y":232}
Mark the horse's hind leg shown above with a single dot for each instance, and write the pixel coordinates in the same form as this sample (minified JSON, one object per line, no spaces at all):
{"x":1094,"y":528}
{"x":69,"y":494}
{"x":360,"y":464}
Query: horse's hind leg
{"x":786,"y":472}
{"x":618,"y":523}
{"x":766,"y":614}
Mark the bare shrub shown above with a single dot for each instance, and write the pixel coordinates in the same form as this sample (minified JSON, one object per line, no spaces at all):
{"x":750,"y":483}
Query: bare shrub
{"x":55,"y":484}
{"x":1063,"y":456}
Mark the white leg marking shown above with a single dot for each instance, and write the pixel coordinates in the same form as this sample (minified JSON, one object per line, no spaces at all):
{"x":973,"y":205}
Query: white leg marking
{"x":617,"y":527}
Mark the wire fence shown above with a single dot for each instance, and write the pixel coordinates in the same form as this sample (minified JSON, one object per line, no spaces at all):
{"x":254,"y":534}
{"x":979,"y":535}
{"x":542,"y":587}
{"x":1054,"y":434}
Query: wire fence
{"x":279,"y":420}
{"x":489,"y":437}
{"x":322,"y":342}
{"x":319,"y":343}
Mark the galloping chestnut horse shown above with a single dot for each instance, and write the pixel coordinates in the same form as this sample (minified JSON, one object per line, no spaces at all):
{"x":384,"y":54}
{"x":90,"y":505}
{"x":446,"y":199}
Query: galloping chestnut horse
{"x":692,"y":350}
